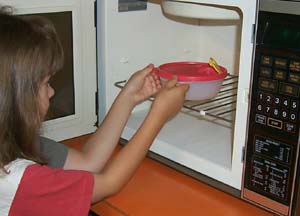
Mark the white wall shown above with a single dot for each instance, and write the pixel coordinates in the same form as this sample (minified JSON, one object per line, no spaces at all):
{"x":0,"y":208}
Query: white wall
{"x":149,"y":36}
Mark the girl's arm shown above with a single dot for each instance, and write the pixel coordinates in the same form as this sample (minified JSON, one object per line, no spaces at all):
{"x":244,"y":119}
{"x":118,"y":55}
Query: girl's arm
{"x":99,"y":147}
{"x":119,"y":171}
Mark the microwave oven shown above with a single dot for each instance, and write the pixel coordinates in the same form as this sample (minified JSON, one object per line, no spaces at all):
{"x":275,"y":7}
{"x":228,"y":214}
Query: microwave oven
{"x":228,"y":142}
{"x":271,"y":166}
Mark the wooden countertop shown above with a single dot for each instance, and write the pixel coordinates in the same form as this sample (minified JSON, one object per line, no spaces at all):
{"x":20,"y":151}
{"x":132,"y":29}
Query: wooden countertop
{"x":158,"y":190}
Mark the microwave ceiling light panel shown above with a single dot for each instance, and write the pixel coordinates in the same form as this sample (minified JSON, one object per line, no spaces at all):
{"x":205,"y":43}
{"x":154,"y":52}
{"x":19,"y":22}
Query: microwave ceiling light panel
{"x":200,"y":10}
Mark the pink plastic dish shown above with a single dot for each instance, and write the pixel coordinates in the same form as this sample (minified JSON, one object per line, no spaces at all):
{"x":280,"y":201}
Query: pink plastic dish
{"x":204,"y":81}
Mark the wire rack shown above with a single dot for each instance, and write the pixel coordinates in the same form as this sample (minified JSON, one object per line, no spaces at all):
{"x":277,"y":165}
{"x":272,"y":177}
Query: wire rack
{"x":221,"y":108}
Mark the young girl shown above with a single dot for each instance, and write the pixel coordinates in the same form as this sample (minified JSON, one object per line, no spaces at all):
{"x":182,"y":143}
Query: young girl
{"x":30,"y":54}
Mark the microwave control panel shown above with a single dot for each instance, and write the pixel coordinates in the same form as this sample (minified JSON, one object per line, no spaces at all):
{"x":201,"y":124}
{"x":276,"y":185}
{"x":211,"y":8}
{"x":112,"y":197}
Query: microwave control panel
{"x":272,"y":148}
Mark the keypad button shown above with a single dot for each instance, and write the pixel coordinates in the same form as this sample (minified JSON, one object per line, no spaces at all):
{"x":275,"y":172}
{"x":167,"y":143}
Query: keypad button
{"x":266,"y":60}
{"x":284,"y":114}
{"x":289,"y":89}
{"x":294,"y":78}
{"x":279,"y":74}
{"x":293,"y":116}
{"x":260,"y":96}
{"x":289,"y":127}
{"x":277,"y":100}
{"x":295,"y":65}
{"x":260,"y":119}
{"x":268,"y":84}
{"x":275,"y":123}
{"x":269,"y":99}
{"x":265,"y":72}
{"x":294,"y":105}
{"x":259,"y":107}
{"x":275,"y":112}
{"x":280,"y":63}
{"x":267,"y":109}
{"x":286,"y":102}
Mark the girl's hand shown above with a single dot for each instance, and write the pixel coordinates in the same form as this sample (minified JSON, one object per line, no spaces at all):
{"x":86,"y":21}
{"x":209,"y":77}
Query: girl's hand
{"x":142,"y":84}
{"x":169,"y":101}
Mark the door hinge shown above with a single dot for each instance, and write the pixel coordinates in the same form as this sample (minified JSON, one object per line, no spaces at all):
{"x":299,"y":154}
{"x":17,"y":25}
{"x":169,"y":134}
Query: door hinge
{"x":96,"y":108}
{"x":243,"y":154}
{"x":253,"y":33}
{"x":95,"y":13}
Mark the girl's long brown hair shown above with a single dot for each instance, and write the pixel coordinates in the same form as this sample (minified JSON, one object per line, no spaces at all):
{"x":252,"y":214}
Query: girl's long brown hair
{"x":29,"y":51}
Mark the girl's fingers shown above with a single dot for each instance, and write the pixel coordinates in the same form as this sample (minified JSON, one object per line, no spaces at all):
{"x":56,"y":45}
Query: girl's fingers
{"x":171,"y":82}
{"x":185,"y":87}
{"x":145,"y":71}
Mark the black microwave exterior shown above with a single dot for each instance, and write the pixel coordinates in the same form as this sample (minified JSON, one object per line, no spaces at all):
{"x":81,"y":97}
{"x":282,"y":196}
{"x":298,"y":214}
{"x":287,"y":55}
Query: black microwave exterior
{"x":271,"y":169}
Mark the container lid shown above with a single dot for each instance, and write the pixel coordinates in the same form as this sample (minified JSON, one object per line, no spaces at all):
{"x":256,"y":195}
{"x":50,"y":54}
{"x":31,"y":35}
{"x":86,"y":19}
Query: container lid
{"x":190,"y":71}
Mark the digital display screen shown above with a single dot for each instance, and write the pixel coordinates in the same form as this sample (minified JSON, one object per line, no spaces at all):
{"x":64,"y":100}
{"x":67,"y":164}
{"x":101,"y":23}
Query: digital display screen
{"x":280,"y":30}
{"x":283,"y":35}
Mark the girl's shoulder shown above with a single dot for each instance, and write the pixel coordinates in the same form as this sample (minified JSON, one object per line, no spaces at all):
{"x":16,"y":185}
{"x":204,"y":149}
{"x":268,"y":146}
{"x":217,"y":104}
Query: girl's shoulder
{"x":9,"y":182}
{"x":15,"y":167}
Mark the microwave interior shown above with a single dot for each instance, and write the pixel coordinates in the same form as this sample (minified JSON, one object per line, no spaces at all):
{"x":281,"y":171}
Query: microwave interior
{"x":206,"y":139}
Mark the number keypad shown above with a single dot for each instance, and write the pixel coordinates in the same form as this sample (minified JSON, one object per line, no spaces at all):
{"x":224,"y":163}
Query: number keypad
{"x":280,"y":110}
